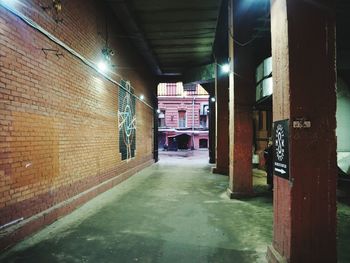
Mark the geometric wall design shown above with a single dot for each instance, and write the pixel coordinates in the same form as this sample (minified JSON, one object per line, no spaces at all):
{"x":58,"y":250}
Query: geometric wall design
{"x":127,"y":121}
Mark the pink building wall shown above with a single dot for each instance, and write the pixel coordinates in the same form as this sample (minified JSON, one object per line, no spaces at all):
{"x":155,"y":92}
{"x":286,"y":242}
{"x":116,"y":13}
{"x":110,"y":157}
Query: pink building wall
{"x":172,"y":98}
{"x":172,"y":106}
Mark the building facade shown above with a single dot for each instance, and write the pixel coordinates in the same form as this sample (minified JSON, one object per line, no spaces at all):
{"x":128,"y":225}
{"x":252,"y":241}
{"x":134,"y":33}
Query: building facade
{"x":182,"y":117}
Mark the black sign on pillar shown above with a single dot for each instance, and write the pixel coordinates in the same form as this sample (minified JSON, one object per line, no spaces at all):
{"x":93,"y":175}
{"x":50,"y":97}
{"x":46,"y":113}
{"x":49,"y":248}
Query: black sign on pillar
{"x":281,"y":148}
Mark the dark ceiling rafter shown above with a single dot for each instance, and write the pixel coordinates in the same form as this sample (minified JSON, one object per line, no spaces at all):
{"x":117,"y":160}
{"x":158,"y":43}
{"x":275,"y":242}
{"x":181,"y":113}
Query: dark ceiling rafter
{"x":343,"y":37}
{"x":177,"y":34}
{"x":127,"y":18}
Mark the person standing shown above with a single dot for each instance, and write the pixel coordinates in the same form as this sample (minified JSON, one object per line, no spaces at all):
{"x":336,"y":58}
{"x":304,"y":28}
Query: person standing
{"x":268,"y":155}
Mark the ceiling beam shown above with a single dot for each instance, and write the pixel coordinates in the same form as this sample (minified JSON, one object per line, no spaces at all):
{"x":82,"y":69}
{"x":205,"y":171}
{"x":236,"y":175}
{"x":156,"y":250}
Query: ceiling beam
{"x":127,"y":19}
{"x":201,"y":74}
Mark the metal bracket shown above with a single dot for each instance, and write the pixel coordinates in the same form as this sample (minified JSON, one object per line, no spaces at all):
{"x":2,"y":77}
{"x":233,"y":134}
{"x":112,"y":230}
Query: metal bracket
{"x":58,"y":54}
{"x":56,"y":6}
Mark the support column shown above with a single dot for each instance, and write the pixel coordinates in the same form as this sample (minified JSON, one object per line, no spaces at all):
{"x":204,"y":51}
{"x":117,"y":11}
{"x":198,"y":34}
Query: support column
{"x":222,"y":136}
{"x":303,"y":52}
{"x":212,"y":125}
{"x":242,"y":96}
{"x":155,"y":128}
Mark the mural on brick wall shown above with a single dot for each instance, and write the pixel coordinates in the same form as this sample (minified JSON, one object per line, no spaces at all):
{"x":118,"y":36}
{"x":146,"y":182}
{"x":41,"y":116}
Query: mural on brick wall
{"x":127,"y":122}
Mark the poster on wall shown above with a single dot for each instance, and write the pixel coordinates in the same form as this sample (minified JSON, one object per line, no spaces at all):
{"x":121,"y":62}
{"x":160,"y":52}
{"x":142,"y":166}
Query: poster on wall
{"x":281,"y":148}
{"x":126,"y":121}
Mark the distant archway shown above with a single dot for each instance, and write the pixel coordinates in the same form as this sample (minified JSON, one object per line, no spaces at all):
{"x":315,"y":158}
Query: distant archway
{"x":183,"y":141}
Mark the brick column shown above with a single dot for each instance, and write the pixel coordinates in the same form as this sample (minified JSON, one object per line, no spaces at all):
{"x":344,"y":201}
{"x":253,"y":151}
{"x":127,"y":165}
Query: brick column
{"x":242,"y":95}
{"x":303,"y":52}
{"x":222,"y":136}
{"x":155,"y":128}
{"x":212,"y":126}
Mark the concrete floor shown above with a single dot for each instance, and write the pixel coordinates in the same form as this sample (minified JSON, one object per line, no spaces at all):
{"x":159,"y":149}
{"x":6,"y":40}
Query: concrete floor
{"x":174,"y":211}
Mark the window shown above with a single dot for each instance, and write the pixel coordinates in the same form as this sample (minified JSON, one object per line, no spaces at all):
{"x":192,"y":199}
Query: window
{"x":171,"y":89}
{"x":190,"y":87}
{"x":161,"y":119}
{"x":203,"y":121}
{"x":182,"y":119}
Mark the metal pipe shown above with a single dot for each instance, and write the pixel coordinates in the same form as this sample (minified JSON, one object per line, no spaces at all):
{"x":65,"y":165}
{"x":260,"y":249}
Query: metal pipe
{"x":11,"y":223}
{"x":193,"y":99}
{"x":90,"y":64}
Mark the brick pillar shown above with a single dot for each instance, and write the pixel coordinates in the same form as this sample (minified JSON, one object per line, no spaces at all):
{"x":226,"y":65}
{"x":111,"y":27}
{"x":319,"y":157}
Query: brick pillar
{"x":222,"y":137}
{"x":303,"y":52}
{"x":155,"y":128}
{"x":212,"y":128}
{"x":242,"y":95}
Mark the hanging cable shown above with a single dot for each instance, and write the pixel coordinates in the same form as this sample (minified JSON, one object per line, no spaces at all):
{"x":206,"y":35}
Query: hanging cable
{"x":87,"y":62}
{"x":255,"y":36}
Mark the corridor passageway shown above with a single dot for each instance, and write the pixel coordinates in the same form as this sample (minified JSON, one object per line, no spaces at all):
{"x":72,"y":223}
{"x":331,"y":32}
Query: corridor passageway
{"x":173,"y":211}
{"x":80,"y":114}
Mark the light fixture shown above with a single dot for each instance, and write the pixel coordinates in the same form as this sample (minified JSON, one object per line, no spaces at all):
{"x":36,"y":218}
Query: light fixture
{"x":102,"y":66}
{"x":8,"y":2}
{"x":107,"y":53}
{"x":225,"y":68}
{"x":142,"y":97}
{"x":105,"y":64}
{"x":212,"y":99}
{"x":56,"y":5}
{"x":158,"y":111}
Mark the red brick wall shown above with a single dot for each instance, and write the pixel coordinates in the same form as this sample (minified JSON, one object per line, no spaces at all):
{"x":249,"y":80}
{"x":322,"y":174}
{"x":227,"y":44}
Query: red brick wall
{"x":59,"y":117}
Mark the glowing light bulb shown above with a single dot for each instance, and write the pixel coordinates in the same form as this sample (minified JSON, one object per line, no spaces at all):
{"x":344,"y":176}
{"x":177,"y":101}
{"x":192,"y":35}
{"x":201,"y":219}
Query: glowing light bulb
{"x":102,"y":66}
{"x":142,"y":97}
{"x":212,"y":99}
{"x":10,"y":3}
{"x":225,"y":68}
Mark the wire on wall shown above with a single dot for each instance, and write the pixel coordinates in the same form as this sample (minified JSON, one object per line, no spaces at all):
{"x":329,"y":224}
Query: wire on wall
{"x":255,"y":36}
{"x":90,"y":64}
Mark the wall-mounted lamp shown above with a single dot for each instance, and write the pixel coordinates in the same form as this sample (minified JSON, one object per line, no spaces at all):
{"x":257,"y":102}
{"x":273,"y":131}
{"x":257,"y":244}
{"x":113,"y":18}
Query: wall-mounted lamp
{"x":102,"y":66}
{"x":105,"y":63}
{"x":225,"y":68}
{"x":107,"y":53}
{"x":158,"y":111}
{"x":212,"y":99}
{"x":8,"y":2}
{"x":142,"y":97}
{"x":56,"y":5}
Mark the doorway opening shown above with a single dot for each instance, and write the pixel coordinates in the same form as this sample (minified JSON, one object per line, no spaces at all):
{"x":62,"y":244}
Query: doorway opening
{"x":183,"y":118}
{"x":203,"y":143}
